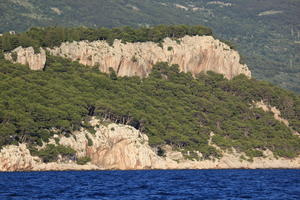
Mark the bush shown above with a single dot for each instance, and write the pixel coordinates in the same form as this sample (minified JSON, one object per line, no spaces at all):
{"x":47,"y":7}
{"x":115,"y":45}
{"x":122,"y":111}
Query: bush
{"x":51,"y":152}
{"x":90,"y":141}
{"x":83,"y":160}
{"x":161,"y":152}
{"x":14,"y":56}
{"x":134,"y":59}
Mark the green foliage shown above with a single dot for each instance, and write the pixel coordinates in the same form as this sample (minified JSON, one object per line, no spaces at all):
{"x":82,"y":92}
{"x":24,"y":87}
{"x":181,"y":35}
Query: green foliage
{"x":171,"y":107}
{"x":90,"y":141}
{"x":54,"y":36}
{"x":83,"y":160}
{"x":161,"y":152}
{"x":134,"y":59}
{"x":269,"y":42}
{"x":51,"y":152}
{"x":56,"y":140}
{"x":86,"y":124}
{"x":14,"y":56}
{"x":112,"y":74}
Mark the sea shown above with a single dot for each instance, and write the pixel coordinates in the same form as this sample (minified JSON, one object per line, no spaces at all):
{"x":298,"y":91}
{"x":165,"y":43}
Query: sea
{"x":281,"y":184}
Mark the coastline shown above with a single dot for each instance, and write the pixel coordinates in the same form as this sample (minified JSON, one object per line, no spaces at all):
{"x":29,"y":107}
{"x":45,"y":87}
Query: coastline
{"x":183,"y":169}
{"x":125,"y":148}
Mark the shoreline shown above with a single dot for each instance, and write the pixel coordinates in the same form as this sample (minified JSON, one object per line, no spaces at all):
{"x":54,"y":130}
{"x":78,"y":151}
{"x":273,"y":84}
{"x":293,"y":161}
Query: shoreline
{"x":100,"y":170}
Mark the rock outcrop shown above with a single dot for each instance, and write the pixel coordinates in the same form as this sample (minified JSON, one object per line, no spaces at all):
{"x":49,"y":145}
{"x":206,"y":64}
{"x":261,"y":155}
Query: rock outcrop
{"x":18,"y":158}
{"x":277,"y":114}
{"x":122,"y":147}
{"x":193,"y":54}
{"x":114,"y":147}
{"x":27,"y":56}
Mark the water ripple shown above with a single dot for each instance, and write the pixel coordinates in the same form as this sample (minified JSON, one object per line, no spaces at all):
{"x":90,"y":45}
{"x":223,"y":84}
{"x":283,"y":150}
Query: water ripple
{"x":151,"y":185}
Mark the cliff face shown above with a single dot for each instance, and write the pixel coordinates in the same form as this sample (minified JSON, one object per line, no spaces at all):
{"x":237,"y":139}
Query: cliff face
{"x":192,"y":53}
{"x":123,"y":147}
{"x":27,"y":56}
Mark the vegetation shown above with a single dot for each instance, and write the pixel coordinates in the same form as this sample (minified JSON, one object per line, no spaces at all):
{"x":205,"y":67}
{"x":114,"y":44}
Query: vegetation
{"x":51,"y":152}
{"x":265,"y":32}
{"x":170,"y":107}
{"x":54,"y":36}
{"x":90,"y":141}
{"x":83,"y":160}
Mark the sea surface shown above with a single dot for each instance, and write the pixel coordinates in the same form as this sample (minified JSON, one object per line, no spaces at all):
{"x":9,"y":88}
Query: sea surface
{"x":156,"y":184}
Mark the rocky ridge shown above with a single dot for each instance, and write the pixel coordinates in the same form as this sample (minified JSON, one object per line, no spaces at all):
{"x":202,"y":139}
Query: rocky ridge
{"x":193,"y":54}
{"x":27,"y":56}
{"x":117,"y":146}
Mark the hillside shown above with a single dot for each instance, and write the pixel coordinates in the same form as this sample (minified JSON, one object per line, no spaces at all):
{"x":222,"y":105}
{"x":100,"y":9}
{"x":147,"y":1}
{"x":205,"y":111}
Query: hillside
{"x":170,"y":107}
{"x":196,"y":105}
{"x":128,"y":51}
{"x":265,"y":32}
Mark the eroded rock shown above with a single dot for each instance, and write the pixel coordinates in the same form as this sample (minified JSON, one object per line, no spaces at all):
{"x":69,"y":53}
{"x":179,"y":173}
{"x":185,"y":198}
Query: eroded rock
{"x":193,"y":54}
{"x":116,"y":146}
{"x":27,"y":56}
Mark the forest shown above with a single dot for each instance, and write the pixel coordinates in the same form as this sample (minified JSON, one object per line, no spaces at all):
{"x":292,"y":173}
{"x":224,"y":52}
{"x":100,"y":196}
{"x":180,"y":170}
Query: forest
{"x":268,"y":42}
{"x":54,"y":36}
{"x":169,"y":106}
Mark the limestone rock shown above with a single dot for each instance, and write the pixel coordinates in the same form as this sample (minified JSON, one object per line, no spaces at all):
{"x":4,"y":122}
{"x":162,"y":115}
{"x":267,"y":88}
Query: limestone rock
{"x":16,"y":158}
{"x":116,"y":146}
{"x":192,"y":53}
{"x":27,"y":56}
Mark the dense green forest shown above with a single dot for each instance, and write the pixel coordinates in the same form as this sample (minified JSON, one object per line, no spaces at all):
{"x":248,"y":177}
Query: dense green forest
{"x":169,"y":106}
{"x":266,"y":32}
{"x":54,"y":36}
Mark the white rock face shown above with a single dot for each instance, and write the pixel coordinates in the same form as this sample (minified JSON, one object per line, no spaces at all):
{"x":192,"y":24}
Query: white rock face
{"x":192,"y":53}
{"x":16,"y":158}
{"x":115,"y":147}
{"x":27,"y":56}
{"x":123,"y":147}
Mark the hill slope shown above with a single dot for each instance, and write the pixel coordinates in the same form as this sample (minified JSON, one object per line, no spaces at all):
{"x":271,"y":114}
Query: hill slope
{"x":170,"y":107}
{"x":265,"y":32}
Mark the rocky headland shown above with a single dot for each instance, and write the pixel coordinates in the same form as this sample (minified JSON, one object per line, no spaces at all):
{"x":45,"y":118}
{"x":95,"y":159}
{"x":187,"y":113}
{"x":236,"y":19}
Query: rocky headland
{"x":122,"y":147}
{"x":118,"y":146}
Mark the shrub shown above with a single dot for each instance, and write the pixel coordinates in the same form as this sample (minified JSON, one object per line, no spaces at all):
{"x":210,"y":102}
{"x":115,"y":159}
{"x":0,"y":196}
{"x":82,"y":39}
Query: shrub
{"x":90,"y":141}
{"x":161,"y":152}
{"x":134,"y":59}
{"x":83,"y":160}
{"x":51,"y":152}
{"x":14,"y":56}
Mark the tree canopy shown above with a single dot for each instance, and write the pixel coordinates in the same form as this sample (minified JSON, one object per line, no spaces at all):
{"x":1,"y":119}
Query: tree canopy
{"x":54,"y":36}
{"x":169,"y":106}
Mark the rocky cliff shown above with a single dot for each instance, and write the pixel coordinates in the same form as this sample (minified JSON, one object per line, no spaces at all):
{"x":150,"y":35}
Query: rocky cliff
{"x":193,"y":54}
{"x":27,"y":56}
{"x":123,"y":147}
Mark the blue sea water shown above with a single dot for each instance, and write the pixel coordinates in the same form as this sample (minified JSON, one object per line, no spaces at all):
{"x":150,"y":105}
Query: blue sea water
{"x":156,"y":184}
